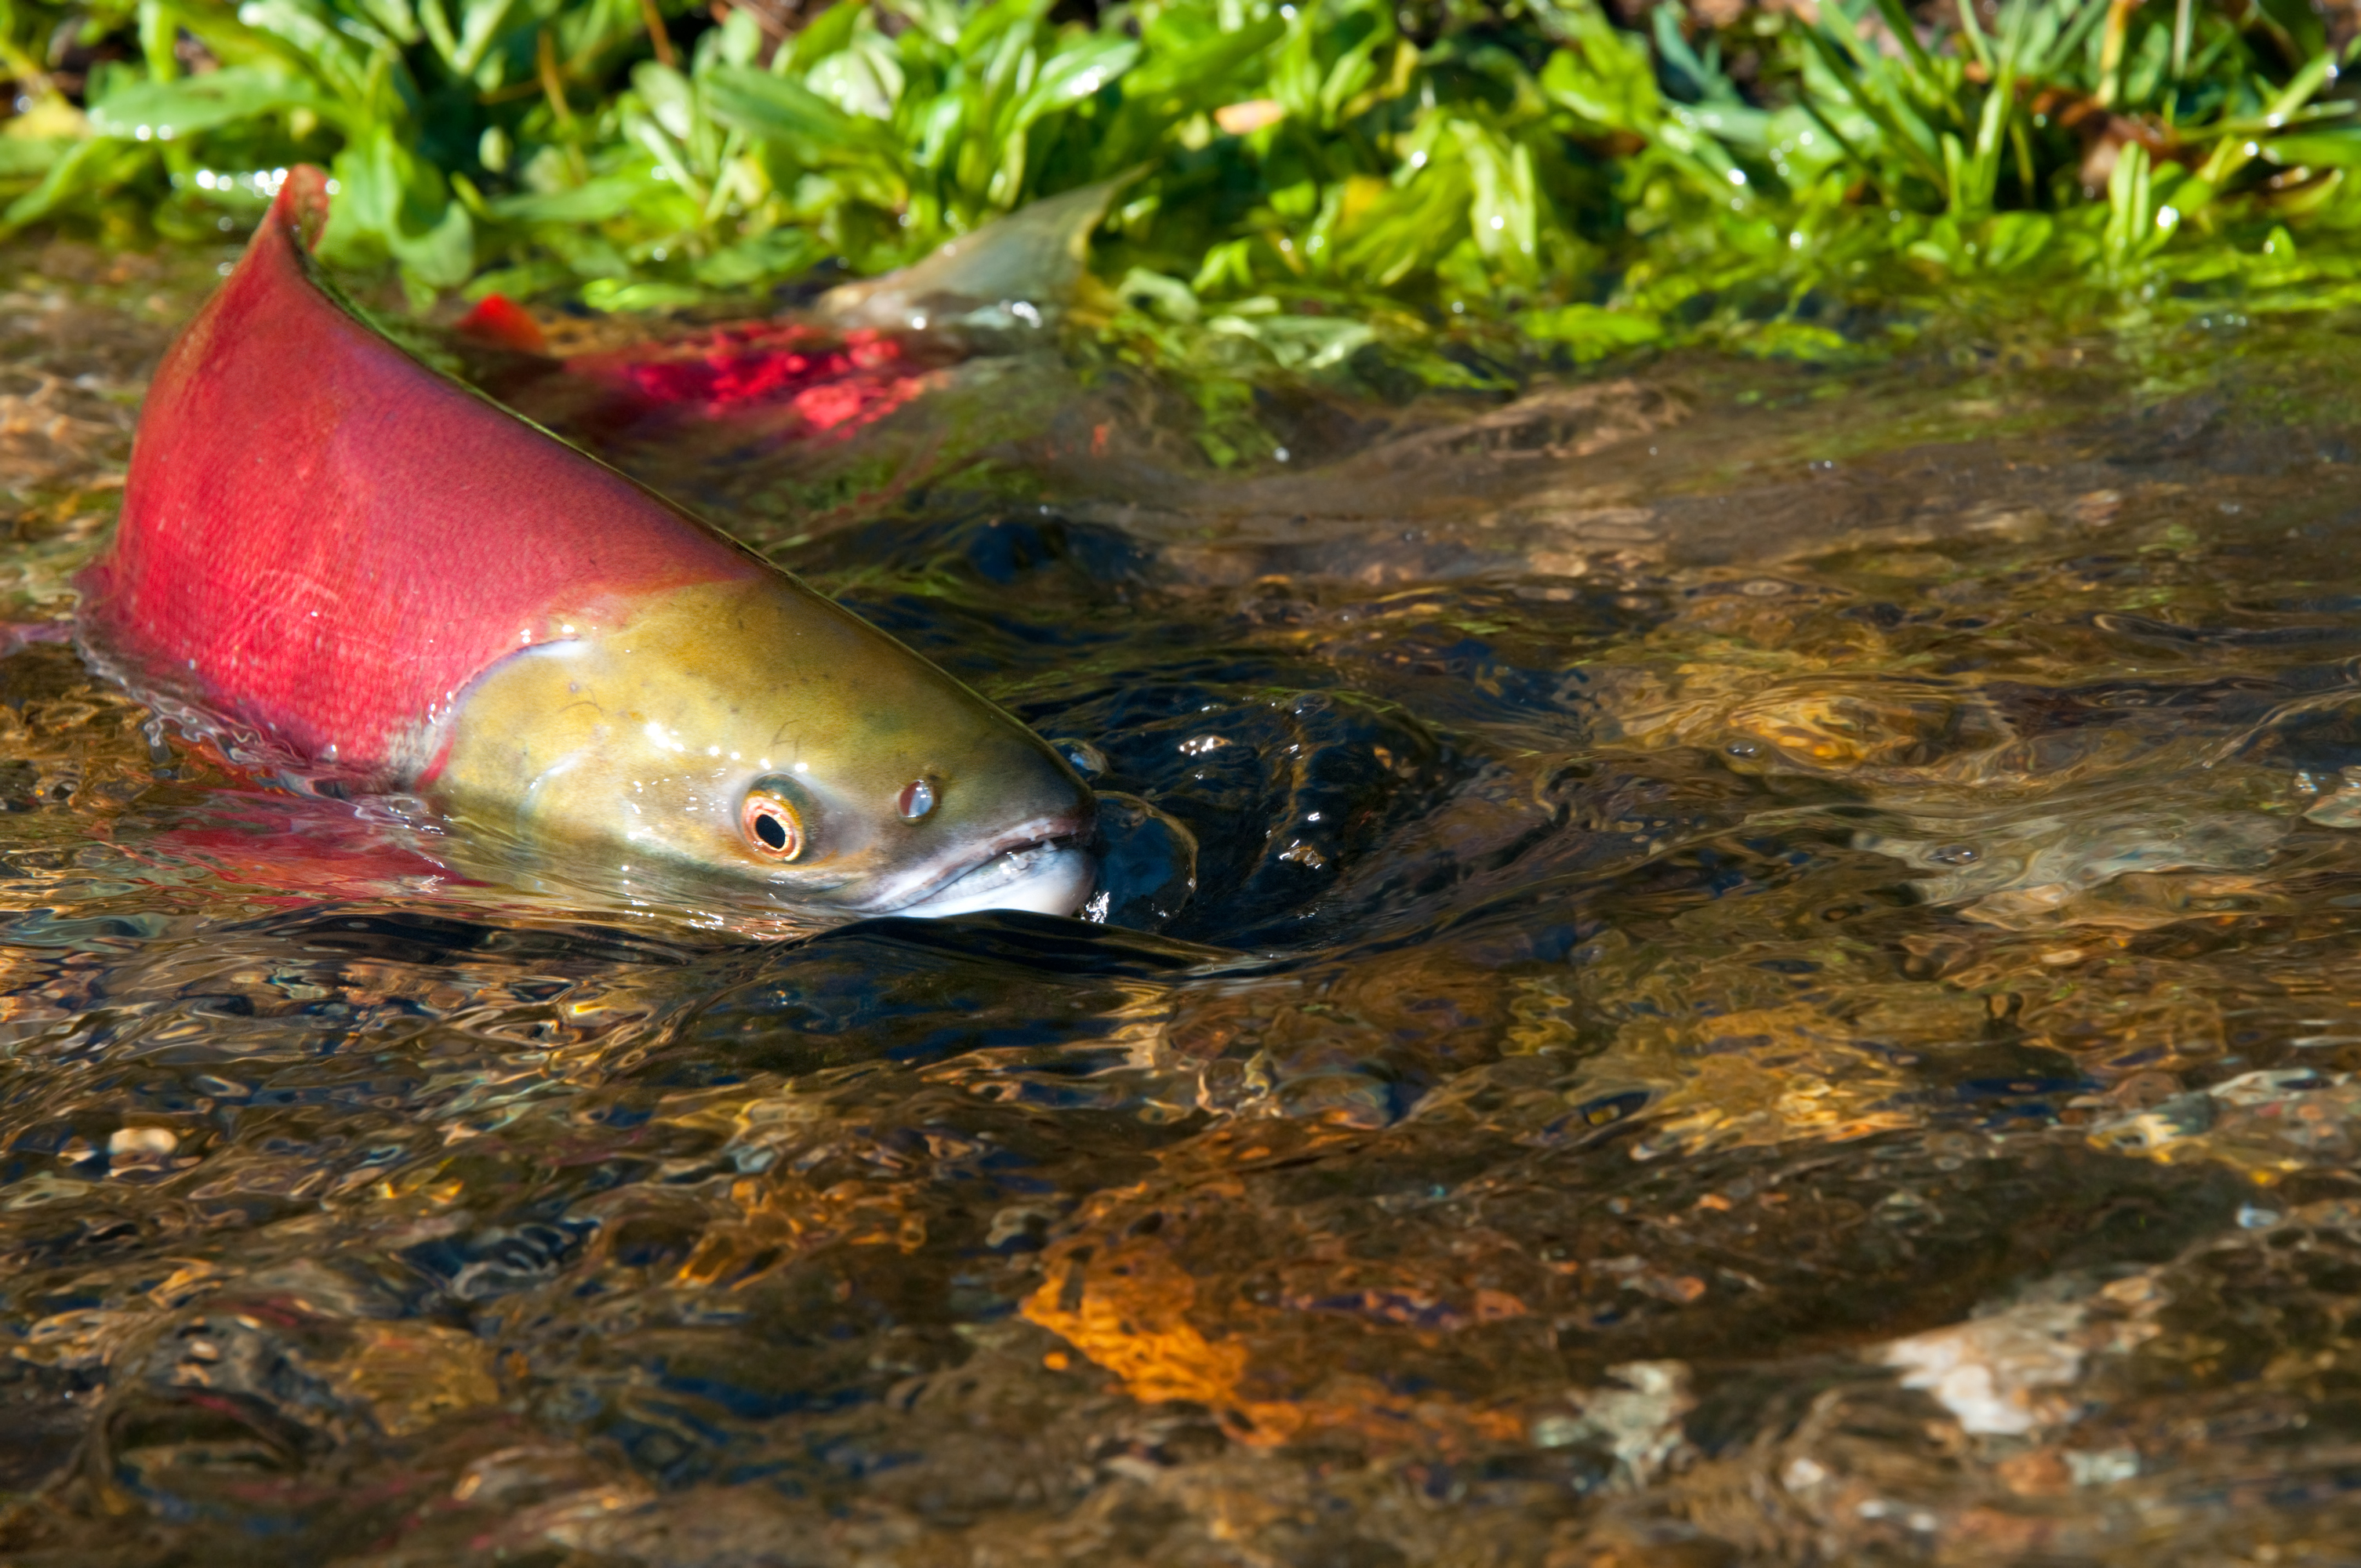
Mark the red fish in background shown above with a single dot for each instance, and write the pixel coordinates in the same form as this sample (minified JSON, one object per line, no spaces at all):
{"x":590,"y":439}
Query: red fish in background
{"x":501,"y":322}
{"x":382,"y":573}
{"x":867,"y":349}
{"x":792,"y":380}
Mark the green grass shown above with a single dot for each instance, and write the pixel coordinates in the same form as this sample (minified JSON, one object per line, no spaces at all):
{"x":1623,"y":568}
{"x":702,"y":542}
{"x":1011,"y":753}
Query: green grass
{"x":1513,"y":174}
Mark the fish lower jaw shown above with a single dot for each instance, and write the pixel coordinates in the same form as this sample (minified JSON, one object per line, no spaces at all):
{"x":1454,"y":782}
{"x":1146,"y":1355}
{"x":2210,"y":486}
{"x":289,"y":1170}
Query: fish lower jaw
{"x":1048,"y":876}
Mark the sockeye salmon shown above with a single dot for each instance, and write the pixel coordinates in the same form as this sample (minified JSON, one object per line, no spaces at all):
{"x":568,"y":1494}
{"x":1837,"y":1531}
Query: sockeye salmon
{"x":767,"y":400}
{"x":389,"y":576}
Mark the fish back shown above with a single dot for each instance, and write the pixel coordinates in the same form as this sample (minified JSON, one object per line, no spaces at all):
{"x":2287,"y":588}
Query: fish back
{"x":328,"y":540}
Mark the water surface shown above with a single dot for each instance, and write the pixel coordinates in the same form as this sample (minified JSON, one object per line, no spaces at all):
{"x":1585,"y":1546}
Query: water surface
{"x":1771,"y":978}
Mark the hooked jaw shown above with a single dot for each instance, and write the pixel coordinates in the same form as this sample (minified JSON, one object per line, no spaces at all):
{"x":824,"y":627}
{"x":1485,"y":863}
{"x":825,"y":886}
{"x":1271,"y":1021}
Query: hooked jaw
{"x":1005,"y":826}
{"x":1043,"y":866}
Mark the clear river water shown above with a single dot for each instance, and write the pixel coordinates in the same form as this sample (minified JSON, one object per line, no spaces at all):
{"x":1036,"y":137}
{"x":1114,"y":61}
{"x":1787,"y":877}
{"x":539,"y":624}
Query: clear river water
{"x":1718,"y":962}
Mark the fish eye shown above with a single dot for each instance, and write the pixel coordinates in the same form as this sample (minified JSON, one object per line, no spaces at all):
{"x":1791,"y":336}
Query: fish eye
{"x":918,"y":799}
{"x":771,"y":825}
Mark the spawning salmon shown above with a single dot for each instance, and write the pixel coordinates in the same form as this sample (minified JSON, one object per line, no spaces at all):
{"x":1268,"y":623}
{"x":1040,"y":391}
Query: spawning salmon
{"x":385,"y":574}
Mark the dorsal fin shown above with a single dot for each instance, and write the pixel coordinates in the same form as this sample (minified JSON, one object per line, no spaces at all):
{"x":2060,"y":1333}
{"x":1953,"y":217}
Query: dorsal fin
{"x":1031,"y":258}
{"x":302,"y":205}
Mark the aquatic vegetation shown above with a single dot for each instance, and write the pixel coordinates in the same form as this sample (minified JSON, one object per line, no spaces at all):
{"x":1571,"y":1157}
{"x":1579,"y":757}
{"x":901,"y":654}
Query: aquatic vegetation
{"x":1304,"y":181}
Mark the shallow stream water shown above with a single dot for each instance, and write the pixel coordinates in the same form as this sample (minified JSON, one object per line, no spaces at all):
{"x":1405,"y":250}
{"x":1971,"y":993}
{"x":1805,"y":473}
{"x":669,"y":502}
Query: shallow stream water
{"x":1774,"y":975}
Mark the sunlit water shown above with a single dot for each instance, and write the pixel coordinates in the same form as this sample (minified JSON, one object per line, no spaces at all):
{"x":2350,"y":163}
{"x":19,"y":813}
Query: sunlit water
{"x":1771,"y":978}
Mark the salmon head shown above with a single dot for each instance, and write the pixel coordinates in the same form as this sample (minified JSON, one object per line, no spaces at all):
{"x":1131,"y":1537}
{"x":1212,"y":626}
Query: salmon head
{"x":379,"y":570}
{"x":756,"y":731}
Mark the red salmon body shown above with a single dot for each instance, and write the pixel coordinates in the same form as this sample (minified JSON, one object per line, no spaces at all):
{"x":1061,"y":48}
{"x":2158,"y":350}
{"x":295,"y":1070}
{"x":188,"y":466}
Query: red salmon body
{"x":326,"y":539}
{"x":823,"y":383}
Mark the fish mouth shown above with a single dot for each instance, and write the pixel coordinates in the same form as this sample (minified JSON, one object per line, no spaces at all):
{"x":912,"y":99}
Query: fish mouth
{"x":1044,"y":866}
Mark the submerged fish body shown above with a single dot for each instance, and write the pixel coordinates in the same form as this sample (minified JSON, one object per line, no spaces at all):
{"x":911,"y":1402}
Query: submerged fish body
{"x":809,"y":377}
{"x":390,"y":577}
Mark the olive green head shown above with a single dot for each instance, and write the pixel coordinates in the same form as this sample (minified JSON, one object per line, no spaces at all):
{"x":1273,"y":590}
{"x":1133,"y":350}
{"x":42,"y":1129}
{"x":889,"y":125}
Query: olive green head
{"x":755,"y":732}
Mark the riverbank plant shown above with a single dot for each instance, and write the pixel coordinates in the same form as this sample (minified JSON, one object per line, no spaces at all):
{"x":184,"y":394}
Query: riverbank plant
{"x":1304,"y":178}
